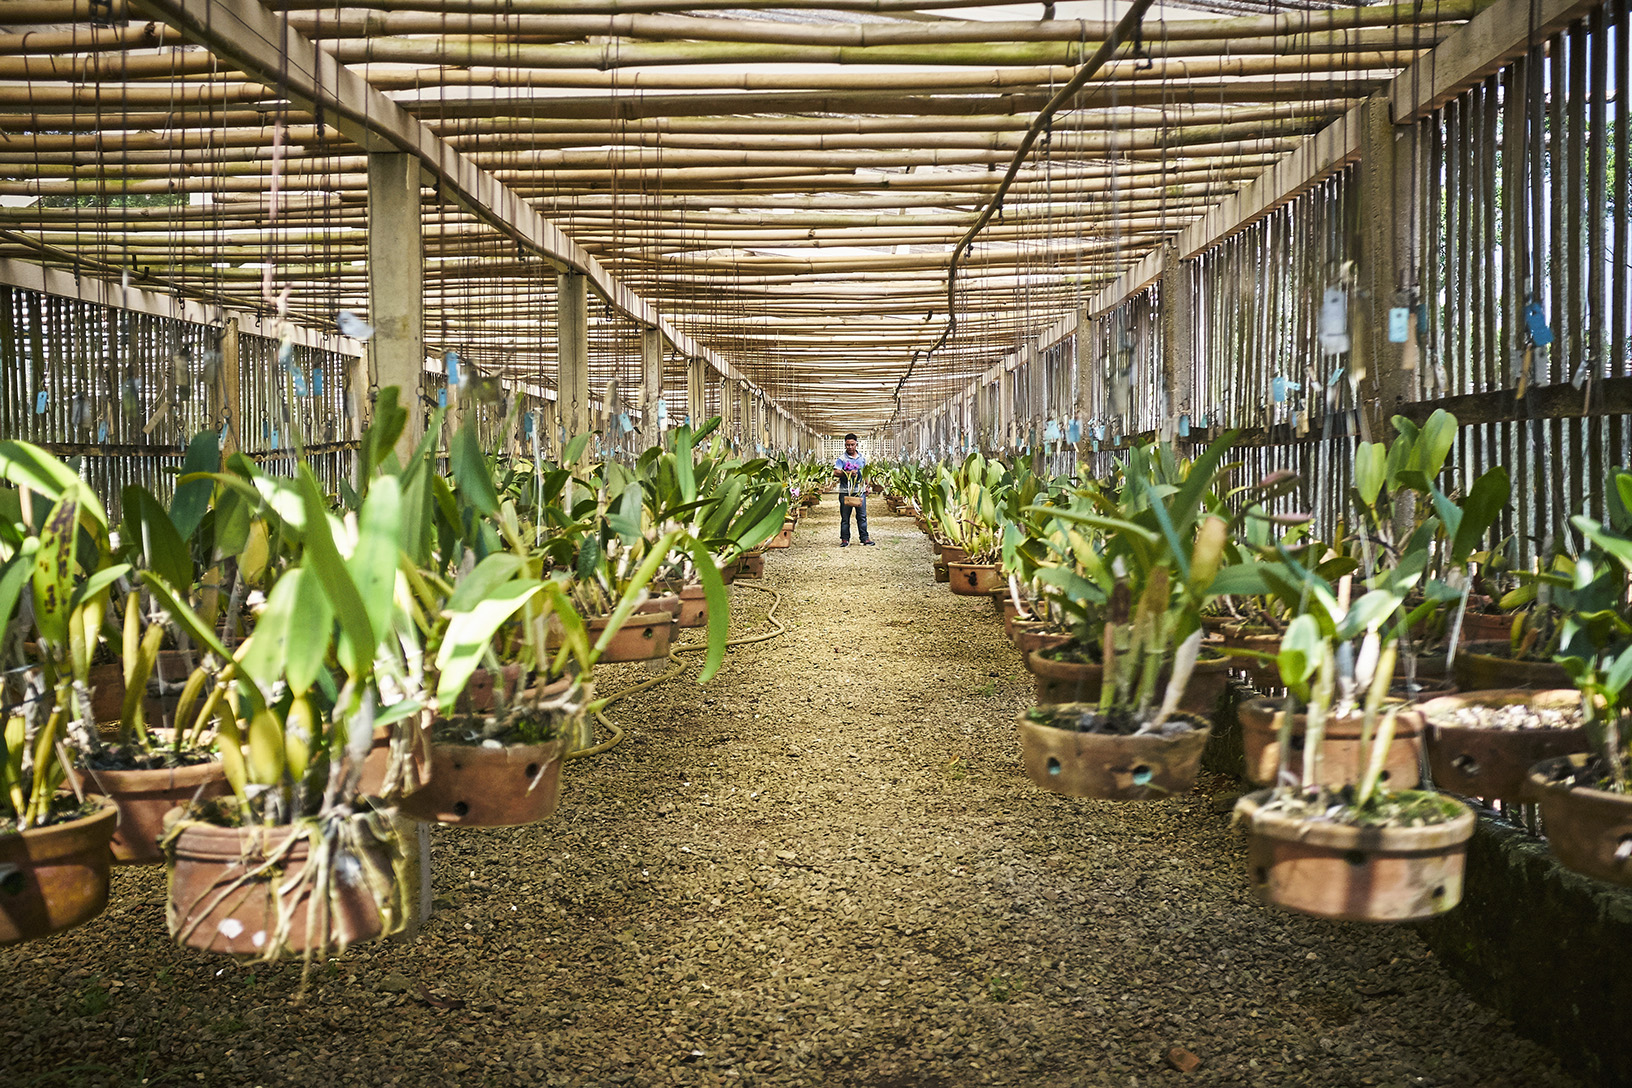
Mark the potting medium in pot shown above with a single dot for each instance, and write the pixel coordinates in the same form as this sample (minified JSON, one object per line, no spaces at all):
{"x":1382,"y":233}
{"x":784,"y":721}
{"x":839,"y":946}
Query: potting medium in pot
{"x":1341,"y":756}
{"x":1108,"y":765}
{"x":1483,"y":743}
{"x":55,"y":877}
{"x":1356,"y":873}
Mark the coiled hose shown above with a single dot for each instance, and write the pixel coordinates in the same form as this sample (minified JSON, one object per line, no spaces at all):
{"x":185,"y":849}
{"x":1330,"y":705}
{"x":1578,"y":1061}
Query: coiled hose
{"x":599,"y":705}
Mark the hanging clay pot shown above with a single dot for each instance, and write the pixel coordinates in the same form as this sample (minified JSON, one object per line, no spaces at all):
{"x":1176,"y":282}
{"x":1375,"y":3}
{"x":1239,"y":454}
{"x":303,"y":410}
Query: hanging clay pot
{"x":1589,"y":830}
{"x":224,"y":897}
{"x":55,"y":877}
{"x":143,"y":799}
{"x":1494,"y":762}
{"x":1340,"y":763}
{"x":1352,"y":872}
{"x":1109,"y":766}
{"x":693,"y":607}
{"x":975,"y":579}
{"x":646,"y":635}
{"x":1487,"y":666}
{"x":477,"y":786}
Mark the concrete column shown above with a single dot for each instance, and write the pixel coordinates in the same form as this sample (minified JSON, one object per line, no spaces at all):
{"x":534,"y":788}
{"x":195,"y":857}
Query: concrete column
{"x":696,"y":391}
{"x":572,"y":360}
{"x":1006,"y":406}
{"x":1383,"y":225}
{"x":1178,"y":355}
{"x":396,"y":294}
{"x":1036,"y":394}
{"x":744,"y":416}
{"x":228,"y":409}
{"x":728,"y":407}
{"x":651,"y":383}
{"x":1082,"y":358}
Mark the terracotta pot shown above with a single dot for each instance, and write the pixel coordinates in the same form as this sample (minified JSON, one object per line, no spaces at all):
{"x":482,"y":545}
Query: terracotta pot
{"x":1487,"y":627}
{"x":415,"y":773}
{"x":1340,"y":763}
{"x":478,"y":694}
{"x":1351,"y":873}
{"x":1006,"y":608}
{"x":1488,"y":666}
{"x":753,"y":566}
{"x":693,"y":608}
{"x":1106,"y":766}
{"x":975,"y":579}
{"x":645,"y":636}
{"x":1262,"y":675}
{"x":783,"y":538}
{"x":213,"y":908}
{"x":1587,"y":829}
{"x":941,"y":573}
{"x":951,"y":553}
{"x":55,"y":877}
{"x":1075,"y":682}
{"x":1495,"y":763}
{"x":475,"y":786}
{"x":1031,"y":636}
{"x":143,"y":798}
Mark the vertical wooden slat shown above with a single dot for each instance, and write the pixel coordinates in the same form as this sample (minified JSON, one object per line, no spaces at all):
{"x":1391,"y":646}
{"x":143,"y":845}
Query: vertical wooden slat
{"x":1597,"y":184}
{"x":1575,"y":202}
{"x":1558,"y":166}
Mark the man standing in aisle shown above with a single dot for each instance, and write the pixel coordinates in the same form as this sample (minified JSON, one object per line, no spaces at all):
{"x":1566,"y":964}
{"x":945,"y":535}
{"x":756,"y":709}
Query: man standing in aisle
{"x":851,"y":469}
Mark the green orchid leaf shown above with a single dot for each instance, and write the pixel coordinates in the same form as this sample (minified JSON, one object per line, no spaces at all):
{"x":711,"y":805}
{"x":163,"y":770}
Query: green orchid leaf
{"x":470,"y":635}
{"x":1370,"y":471}
{"x":163,"y":548}
{"x":192,"y":499}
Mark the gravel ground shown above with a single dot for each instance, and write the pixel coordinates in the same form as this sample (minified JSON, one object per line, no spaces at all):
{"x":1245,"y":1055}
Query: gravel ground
{"x":826,"y":868}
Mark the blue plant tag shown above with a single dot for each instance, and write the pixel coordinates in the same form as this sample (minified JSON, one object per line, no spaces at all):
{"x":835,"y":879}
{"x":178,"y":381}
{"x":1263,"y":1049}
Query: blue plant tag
{"x":317,"y":381}
{"x":527,"y":424}
{"x":1536,"y":321}
{"x":625,"y":424}
{"x":1073,"y":432}
{"x":298,"y":383}
{"x":274,"y":438}
{"x":1201,"y":420}
{"x":39,"y":403}
{"x":442,"y":398}
{"x":1184,"y":425}
{"x":1051,"y":433}
{"x":1277,"y":389}
{"x":451,"y":362}
{"x":102,"y":431}
{"x":1399,"y":324}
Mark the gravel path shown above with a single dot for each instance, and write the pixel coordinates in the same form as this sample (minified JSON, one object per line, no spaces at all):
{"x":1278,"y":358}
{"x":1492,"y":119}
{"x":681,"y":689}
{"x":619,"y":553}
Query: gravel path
{"x":826,"y":868}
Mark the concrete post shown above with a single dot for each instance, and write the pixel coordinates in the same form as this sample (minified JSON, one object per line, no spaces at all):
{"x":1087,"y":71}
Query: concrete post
{"x":572,"y":360}
{"x":227,"y":389}
{"x":696,"y":391}
{"x":1382,"y":220}
{"x":1005,"y":407}
{"x":1036,"y":394}
{"x":1178,"y":355}
{"x":651,"y":384}
{"x":396,"y":294}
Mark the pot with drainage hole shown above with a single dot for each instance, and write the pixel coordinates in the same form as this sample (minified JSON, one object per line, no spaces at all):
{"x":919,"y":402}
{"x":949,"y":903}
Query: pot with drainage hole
{"x":1400,"y":863}
{"x":1075,"y":750}
{"x":501,"y":770}
{"x":1589,"y":828}
{"x":1342,"y":758}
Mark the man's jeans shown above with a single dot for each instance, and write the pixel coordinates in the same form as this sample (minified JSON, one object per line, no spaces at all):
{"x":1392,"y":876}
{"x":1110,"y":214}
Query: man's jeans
{"x":844,"y":518}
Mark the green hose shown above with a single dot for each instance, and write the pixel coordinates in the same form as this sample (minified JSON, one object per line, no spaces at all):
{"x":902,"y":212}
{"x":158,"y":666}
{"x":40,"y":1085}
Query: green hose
{"x":680,"y":666}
